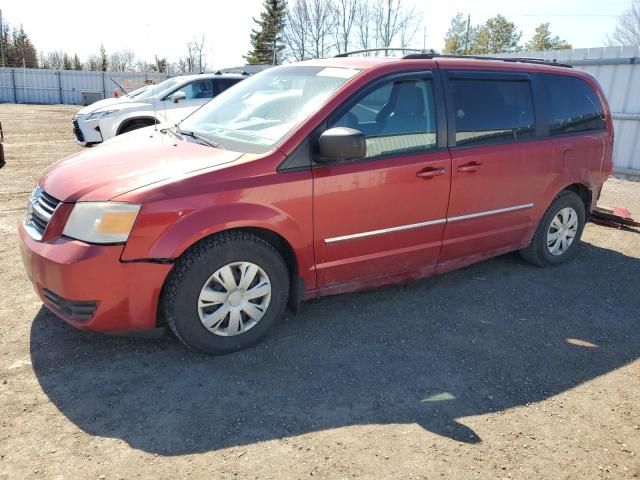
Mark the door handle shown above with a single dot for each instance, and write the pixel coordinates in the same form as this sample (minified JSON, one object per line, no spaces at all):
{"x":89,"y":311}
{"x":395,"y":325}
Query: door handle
{"x":430,"y":172}
{"x":469,"y":167}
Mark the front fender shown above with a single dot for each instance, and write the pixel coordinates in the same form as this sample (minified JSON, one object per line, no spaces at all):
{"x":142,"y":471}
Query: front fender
{"x":186,"y":228}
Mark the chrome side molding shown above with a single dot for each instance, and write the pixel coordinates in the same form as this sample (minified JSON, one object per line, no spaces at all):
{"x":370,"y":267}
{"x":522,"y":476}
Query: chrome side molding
{"x":428,"y":224}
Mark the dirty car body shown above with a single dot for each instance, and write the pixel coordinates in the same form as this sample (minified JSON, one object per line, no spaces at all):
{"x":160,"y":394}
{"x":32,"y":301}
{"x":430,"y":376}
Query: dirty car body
{"x":443,"y":182}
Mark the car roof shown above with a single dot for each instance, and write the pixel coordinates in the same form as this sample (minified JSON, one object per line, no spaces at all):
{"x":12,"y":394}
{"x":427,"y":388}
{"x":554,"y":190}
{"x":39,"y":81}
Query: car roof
{"x":190,"y":78}
{"x":475,"y":63}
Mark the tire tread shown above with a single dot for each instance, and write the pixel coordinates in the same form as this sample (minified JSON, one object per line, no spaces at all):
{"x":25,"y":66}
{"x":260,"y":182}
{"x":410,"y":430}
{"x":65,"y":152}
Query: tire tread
{"x":192,"y":255}
{"x":533,"y":253}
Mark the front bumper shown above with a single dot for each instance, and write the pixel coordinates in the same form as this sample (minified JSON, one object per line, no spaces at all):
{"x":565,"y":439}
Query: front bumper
{"x":86,"y":132}
{"x":90,"y":288}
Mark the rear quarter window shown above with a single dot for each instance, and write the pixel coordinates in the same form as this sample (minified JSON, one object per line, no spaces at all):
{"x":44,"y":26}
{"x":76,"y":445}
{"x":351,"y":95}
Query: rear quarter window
{"x":573,"y":105}
{"x":492,"y":111}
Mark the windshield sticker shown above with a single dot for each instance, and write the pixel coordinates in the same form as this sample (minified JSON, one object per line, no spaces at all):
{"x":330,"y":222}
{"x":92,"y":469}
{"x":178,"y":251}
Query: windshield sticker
{"x":337,"y":72}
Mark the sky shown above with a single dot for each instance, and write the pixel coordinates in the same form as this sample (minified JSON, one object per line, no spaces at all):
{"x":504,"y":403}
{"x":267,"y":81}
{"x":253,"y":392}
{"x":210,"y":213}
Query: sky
{"x":164,"y":28}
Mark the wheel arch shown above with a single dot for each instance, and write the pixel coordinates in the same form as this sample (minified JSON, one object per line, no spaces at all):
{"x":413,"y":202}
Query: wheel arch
{"x":280,"y":243}
{"x":127,"y":121}
{"x":584,"y":193}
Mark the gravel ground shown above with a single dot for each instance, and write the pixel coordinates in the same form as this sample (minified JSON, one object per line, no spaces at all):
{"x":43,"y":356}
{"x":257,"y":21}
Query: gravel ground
{"x":499,"y":370}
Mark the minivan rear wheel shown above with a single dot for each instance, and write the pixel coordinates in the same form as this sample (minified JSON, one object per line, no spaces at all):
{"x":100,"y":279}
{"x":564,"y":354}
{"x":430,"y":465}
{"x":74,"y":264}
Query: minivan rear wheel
{"x":557,"y":237}
{"x":225,"y":293}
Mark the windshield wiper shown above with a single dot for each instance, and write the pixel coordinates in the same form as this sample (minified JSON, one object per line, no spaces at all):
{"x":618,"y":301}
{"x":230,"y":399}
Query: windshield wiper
{"x":203,"y":139}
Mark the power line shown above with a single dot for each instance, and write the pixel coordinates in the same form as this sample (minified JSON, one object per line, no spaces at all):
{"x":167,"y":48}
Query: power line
{"x":570,"y":15}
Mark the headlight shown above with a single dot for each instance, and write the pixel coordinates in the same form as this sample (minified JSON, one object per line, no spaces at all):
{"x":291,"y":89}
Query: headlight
{"x":101,"y":222}
{"x":101,"y":114}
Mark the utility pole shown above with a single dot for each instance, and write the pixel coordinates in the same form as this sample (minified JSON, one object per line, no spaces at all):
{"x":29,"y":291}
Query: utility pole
{"x":466,"y":37}
{"x":1,"y":38}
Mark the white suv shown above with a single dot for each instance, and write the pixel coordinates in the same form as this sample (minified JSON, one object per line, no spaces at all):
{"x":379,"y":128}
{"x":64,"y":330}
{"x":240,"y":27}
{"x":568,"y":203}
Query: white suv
{"x":169,"y":101}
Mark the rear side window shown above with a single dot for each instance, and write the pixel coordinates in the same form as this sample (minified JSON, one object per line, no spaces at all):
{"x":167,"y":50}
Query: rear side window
{"x":396,"y":118}
{"x":573,"y":105}
{"x":223,"y":83}
{"x":492,"y":111}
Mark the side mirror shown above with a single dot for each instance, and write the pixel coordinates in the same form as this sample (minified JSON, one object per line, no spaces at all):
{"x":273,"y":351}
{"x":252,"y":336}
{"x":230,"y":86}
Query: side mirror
{"x":177,"y":96}
{"x":341,"y":143}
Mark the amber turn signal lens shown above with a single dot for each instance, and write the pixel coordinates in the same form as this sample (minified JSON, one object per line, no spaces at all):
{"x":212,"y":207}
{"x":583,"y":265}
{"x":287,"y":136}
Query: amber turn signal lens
{"x":116,"y":222}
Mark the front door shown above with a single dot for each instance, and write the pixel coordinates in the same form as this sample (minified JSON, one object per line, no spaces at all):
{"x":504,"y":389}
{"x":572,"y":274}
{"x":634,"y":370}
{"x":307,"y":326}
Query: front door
{"x":386,"y":213}
{"x":197,"y":93}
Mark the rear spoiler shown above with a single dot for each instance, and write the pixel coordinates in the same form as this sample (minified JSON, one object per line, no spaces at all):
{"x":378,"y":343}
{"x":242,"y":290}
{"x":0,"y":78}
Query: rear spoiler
{"x":2,"y":162}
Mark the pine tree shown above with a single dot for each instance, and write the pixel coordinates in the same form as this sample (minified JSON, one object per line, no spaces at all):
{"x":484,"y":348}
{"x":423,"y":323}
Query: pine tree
{"x":4,"y":39}
{"x":267,"y":38}
{"x":66,"y":62}
{"x":497,"y":35}
{"x":77,"y":64}
{"x":542,"y":40}
{"x":104,"y":61}
{"x":460,"y":36}
{"x":25,"y":51}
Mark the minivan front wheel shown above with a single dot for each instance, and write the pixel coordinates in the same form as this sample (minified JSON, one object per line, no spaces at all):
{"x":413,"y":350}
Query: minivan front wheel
{"x":558,"y":235}
{"x":225,"y":293}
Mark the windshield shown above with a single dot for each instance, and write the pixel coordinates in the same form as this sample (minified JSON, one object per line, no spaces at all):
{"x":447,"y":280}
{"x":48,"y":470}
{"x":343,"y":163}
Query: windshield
{"x":158,"y":90}
{"x":137,"y":91}
{"x":257,"y":113}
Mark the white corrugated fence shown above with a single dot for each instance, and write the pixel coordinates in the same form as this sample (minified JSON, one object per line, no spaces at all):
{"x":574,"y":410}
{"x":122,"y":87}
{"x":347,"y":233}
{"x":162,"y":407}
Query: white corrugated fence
{"x":33,"y":85}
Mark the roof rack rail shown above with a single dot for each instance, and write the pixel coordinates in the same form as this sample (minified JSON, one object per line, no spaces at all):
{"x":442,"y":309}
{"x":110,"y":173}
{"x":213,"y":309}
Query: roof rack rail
{"x":536,"y":61}
{"x":425,"y":51}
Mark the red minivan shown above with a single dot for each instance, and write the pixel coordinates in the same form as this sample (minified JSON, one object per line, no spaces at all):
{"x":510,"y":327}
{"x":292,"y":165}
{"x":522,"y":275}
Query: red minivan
{"x":318,"y":178}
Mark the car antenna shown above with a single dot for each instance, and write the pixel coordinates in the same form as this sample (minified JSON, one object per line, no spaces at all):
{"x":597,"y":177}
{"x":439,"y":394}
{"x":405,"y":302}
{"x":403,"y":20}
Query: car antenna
{"x":155,"y":116}
{"x":119,"y":86}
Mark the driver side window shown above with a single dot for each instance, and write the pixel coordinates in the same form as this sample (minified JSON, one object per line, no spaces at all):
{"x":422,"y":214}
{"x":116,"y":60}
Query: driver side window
{"x":198,"y":89}
{"x":396,"y":118}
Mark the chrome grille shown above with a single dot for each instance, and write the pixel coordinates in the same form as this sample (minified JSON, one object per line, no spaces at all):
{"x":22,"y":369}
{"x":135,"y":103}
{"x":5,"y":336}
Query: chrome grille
{"x":39,"y":212}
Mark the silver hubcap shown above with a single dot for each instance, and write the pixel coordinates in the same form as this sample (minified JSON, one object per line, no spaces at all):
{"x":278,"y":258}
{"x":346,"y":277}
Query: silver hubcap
{"x":234,"y":299}
{"x":562,"y":231}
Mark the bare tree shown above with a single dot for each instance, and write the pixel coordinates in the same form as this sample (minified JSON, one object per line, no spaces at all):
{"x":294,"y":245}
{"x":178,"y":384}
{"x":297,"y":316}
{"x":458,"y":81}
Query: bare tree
{"x":409,"y":26}
{"x":115,"y":62}
{"x":394,"y":21}
{"x":53,"y":59}
{"x":296,"y":30}
{"x":363,"y":24}
{"x":94,"y":62}
{"x":309,"y":29}
{"x":345,"y":18}
{"x":128,"y":58}
{"x":182,"y":65}
{"x":122,"y":60}
{"x":627,"y":31}
{"x":197,"y":60}
{"x":321,"y":23}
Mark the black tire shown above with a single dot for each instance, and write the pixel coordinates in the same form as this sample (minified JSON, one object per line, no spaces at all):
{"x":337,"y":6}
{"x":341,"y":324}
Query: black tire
{"x":537,"y":252}
{"x":178,"y":304}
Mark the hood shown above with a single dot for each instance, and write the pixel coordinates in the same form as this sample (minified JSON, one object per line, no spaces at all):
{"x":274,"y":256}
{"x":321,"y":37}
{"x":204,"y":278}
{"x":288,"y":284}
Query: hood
{"x":129,"y":104}
{"x":126,"y":163}
{"x":107,"y":102}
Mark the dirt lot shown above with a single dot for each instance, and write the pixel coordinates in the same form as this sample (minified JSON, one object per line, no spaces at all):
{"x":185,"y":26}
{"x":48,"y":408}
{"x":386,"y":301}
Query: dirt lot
{"x":500,"y":370}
